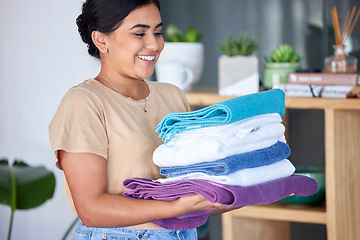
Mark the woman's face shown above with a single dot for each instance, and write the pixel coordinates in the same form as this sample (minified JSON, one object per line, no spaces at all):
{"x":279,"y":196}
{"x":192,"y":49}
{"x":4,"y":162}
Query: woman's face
{"x":134,"y":48}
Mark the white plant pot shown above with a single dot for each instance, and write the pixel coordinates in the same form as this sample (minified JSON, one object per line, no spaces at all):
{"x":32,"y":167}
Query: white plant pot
{"x":181,"y":64}
{"x":238,"y":75}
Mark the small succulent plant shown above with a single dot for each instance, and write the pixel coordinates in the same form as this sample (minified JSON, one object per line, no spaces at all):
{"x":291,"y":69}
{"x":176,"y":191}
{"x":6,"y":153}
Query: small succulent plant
{"x":243,"y":45}
{"x":174,"y":34}
{"x":284,"y":53}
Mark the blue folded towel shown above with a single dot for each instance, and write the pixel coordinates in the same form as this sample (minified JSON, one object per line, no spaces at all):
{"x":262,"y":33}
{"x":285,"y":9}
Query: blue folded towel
{"x":231,"y":164}
{"x":225,"y":112}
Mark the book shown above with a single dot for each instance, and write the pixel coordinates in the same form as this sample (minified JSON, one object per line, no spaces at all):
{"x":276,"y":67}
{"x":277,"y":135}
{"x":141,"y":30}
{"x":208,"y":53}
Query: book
{"x":320,"y":78}
{"x":319,"y":91}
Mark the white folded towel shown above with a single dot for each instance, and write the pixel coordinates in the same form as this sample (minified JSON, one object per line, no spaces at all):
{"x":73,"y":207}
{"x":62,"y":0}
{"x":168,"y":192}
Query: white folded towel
{"x":207,"y":148}
{"x":239,"y":128}
{"x":244,"y":177}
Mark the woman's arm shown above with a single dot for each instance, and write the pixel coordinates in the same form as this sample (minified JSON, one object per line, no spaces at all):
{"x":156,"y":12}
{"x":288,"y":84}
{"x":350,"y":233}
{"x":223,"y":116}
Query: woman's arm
{"x":87,"y":179}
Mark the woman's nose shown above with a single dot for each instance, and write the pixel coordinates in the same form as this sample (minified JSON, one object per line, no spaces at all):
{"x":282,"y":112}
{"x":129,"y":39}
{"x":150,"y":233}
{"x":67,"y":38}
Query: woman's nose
{"x":154,"y":42}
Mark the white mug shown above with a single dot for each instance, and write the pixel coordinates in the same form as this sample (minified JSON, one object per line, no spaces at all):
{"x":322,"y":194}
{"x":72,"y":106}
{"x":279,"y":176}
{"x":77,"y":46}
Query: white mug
{"x":175,"y":73}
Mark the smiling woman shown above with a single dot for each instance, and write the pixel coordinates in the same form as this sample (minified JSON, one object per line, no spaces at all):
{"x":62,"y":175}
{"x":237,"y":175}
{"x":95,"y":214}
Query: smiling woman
{"x":104,"y":129}
{"x":132,"y":50}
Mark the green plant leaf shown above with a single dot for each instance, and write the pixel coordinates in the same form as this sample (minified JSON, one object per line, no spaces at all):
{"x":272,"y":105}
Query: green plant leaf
{"x":243,"y":45}
{"x":284,"y":53}
{"x":267,"y":59}
{"x":6,"y":185}
{"x":174,"y":34}
{"x":23,"y":186}
{"x":192,"y":35}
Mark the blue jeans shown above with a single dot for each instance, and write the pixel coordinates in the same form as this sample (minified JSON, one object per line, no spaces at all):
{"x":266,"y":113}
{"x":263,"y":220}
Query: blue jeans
{"x":90,"y":233}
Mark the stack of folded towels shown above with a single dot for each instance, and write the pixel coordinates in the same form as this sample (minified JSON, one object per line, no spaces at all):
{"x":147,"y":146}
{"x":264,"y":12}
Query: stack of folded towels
{"x":233,"y":152}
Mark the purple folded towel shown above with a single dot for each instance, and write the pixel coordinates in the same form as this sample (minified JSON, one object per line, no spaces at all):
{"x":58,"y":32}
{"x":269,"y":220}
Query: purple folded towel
{"x":234,"y":196}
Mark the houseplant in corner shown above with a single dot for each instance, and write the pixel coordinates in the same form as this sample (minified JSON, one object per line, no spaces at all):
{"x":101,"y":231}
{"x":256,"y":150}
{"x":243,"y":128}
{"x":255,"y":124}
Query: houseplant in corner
{"x":24,"y":187}
{"x":282,"y":61}
{"x":238,"y":67}
{"x":181,"y":62}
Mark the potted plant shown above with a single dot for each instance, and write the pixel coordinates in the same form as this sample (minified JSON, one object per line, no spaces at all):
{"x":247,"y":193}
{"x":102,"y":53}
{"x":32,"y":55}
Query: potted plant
{"x":181,"y":61}
{"x":24,"y":187}
{"x":282,"y":61}
{"x":238,"y":67}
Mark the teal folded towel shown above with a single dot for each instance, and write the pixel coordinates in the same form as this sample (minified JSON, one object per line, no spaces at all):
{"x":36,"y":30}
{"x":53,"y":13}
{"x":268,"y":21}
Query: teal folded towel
{"x":225,"y":112}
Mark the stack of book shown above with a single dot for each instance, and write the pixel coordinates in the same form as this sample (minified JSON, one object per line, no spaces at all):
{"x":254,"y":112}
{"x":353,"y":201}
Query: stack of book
{"x":323,"y":85}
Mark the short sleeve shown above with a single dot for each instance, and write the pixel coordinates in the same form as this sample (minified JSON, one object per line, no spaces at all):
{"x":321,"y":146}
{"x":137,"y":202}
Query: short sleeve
{"x":79,"y":125}
{"x":186,"y":103}
{"x":183,"y":98}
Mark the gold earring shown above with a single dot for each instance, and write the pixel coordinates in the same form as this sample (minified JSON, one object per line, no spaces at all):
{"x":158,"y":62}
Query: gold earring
{"x":104,"y":49}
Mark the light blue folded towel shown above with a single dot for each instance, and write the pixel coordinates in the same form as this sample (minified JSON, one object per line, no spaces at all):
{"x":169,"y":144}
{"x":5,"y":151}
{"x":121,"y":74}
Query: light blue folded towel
{"x":225,"y":112}
{"x":231,"y":164}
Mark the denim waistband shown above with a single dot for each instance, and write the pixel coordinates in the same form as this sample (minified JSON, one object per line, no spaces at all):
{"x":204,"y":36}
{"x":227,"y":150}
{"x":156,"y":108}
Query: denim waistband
{"x":83,"y":232}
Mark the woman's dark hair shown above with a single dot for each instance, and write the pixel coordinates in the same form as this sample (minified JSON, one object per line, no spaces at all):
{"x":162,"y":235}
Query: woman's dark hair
{"x":105,"y":16}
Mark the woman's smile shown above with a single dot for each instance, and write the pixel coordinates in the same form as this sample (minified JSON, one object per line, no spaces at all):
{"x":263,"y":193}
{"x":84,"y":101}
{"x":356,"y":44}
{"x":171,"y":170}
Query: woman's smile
{"x":148,"y":58}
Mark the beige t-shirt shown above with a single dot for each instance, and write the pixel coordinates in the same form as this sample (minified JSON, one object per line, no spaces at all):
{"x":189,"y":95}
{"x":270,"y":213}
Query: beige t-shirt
{"x":93,"y":118}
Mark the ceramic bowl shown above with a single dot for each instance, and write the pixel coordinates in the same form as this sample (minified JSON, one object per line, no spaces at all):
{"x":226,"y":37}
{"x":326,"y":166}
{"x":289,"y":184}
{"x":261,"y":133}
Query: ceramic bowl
{"x":317,"y":173}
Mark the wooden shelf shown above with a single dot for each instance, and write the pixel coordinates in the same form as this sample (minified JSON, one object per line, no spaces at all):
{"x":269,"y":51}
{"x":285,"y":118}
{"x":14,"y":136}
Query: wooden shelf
{"x":342,"y":164}
{"x":282,"y":212}
{"x":209,"y":96}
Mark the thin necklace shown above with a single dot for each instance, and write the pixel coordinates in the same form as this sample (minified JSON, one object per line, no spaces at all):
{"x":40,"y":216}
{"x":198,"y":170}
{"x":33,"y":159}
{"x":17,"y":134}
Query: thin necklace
{"x":142,"y":89}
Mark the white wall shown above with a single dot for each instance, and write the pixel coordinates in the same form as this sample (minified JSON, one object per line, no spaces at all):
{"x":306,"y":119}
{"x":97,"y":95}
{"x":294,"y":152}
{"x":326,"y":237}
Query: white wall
{"x":41,"y":57}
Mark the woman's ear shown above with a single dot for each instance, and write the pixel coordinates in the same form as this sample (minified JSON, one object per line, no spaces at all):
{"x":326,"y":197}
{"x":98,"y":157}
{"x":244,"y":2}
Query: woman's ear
{"x":98,"y":39}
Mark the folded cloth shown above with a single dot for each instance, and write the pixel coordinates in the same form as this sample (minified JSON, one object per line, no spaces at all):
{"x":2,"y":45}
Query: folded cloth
{"x":228,"y":195}
{"x":244,"y":177}
{"x":211,"y":148}
{"x":225,"y":112}
{"x":233,"y":163}
{"x":239,"y":129}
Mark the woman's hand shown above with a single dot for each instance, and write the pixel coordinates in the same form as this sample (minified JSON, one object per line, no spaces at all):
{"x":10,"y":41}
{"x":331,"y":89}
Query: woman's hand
{"x":197,"y":202}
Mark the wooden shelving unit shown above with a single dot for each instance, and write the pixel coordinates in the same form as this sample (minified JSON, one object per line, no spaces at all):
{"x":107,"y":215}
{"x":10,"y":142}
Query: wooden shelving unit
{"x":281,"y":212}
{"x":342,"y":165}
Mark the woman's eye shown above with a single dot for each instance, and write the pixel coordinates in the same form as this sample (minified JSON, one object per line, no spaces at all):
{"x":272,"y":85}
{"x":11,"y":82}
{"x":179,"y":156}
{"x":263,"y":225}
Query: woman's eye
{"x":143,"y":34}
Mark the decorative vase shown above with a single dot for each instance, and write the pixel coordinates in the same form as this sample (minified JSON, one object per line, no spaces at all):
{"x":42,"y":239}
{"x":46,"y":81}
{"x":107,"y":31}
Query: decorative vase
{"x":238,"y":75}
{"x":340,"y":62}
{"x":278,"y":73}
{"x":189,"y":57}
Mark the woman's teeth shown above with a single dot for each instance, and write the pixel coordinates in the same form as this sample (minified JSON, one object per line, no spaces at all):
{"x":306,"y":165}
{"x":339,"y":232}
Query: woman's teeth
{"x":148,"y":58}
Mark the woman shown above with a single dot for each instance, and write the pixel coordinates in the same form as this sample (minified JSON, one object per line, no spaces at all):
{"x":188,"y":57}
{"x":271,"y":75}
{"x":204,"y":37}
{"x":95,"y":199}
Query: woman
{"x":104,"y":129}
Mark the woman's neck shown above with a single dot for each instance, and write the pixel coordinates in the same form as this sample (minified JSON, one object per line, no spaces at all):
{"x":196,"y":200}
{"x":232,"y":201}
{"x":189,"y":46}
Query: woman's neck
{"x":136,"y":89}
